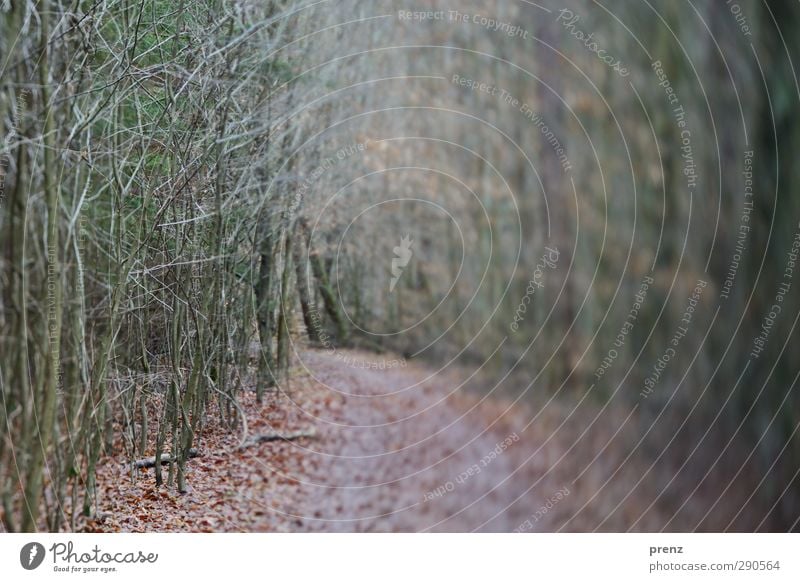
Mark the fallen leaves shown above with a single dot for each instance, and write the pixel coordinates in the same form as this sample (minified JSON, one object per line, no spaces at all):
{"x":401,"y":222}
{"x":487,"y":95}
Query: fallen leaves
{"x":372,"y":460}
{"x":230,"y":489}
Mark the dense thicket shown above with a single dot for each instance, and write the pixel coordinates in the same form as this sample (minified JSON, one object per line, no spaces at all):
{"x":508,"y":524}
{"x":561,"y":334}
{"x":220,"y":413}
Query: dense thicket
{"x":140,"y":236}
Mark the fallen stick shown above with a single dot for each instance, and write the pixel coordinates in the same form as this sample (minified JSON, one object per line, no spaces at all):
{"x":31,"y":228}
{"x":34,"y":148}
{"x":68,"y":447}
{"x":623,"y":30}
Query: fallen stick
{"x":276,"y":436}
{"x":166,"y":459}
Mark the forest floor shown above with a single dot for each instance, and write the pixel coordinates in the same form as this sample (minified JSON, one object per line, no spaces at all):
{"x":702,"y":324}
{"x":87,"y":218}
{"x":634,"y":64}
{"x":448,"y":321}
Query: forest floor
{"x":400,"y":449}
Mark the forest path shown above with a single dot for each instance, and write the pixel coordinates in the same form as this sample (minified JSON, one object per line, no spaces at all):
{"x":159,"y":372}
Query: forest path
{"x":406,"y":448}
{"x":399,"y":451}
{"x":409,"y":449}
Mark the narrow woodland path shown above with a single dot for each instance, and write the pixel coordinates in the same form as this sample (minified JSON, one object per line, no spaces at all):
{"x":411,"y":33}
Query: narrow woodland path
{"x":398,"y":449}
{"x":398,"y":454}
{"x":413,"y":449}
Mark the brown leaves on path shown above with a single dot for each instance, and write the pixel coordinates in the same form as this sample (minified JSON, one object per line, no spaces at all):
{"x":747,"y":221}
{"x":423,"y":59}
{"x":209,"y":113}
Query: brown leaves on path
{"x":403,"y":449}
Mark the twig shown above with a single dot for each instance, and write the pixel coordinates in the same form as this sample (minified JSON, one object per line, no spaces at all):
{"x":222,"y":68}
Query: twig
{"x":274,"y":436}
{"x":166,"y":459}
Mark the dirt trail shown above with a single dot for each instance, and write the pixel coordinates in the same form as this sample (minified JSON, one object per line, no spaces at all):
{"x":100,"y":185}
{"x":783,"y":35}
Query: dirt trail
{"x":405,"y":449}
{"x":402,"y":449}
{"x":400,"y":456}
